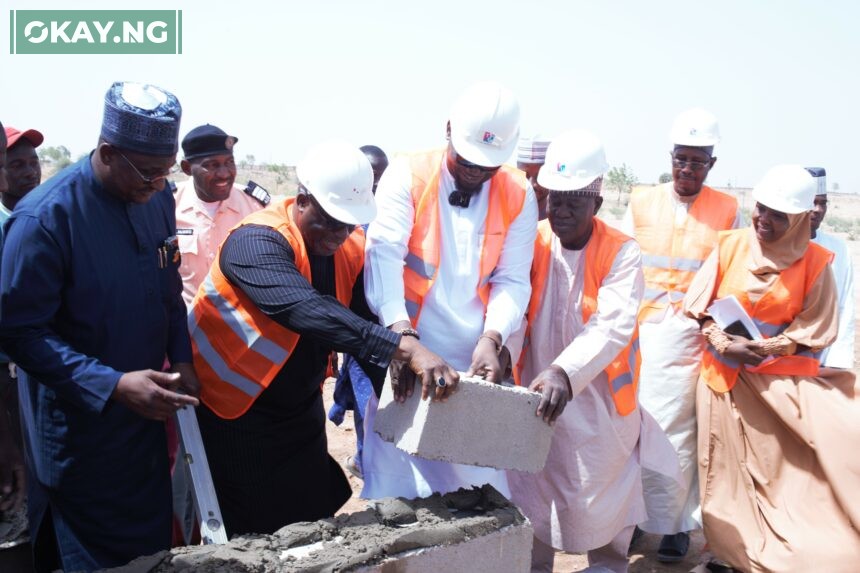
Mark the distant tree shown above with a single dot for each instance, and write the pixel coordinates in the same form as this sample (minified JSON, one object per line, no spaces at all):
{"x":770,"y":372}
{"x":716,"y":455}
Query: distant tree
{"x":665,"y":177}
{"x":250,"y":159}
{"x":835,"y":187}
{"x":59,"y":156}
{"x":621,"y":179}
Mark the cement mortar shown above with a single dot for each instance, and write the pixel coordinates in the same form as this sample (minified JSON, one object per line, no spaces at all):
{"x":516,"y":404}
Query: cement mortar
{"x":388,"y":527}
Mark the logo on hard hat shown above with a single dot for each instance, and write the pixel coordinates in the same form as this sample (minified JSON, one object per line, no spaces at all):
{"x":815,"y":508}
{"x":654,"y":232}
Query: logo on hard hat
{"x":693,"y":131}
{"x":489,"y":137}
{"x":560,"y":167}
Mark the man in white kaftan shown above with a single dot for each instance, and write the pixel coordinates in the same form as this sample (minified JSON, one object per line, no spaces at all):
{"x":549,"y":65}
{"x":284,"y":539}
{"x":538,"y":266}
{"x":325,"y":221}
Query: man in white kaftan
{"x":676,"y":226}
{"x":454,"y":320}
{"x":588,"y":497}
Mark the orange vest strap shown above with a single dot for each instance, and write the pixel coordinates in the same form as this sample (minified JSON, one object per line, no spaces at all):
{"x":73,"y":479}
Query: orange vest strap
{"x":238,"y":350}
{"x":772,"y":313}
{"x":421,"y":264}
{"x":600,"y":252}
{"x":671,"y":255}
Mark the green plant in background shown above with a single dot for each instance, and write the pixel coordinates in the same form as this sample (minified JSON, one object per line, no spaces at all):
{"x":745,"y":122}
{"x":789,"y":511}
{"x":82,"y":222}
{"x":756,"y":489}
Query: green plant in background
{"x":622,"y":179}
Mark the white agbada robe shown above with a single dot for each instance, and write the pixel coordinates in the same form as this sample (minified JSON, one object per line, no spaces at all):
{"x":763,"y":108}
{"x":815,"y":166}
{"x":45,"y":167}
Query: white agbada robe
{"x":671,"y":347}
{"x":591,"y":487}
{"x":840,"y":354}
{"x":452,"y":316}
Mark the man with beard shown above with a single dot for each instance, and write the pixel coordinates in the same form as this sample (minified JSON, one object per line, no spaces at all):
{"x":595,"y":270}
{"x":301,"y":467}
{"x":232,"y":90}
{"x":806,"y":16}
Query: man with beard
{"x":449,"y":264}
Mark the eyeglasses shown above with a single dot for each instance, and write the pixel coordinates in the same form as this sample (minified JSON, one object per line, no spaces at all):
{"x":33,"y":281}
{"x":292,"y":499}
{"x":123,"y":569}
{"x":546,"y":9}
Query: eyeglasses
{"x":464,"y":163}
{"x":149,"y":180}
{"x":691,"y":163}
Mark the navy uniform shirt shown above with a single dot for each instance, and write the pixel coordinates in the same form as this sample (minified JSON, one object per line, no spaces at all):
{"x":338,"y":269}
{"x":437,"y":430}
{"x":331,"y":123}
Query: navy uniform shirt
{"x":85,"y":299}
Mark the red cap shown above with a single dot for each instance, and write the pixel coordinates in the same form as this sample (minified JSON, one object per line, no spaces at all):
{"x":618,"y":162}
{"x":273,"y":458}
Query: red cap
{"x":31,"y":135}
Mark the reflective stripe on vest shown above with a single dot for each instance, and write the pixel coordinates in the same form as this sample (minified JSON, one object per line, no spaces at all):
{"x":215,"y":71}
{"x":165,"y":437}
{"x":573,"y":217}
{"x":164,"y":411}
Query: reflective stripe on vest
{"x":238,"y":350}
{"x":671,"y":255}
{"x":421,"y":264}
{"x":622,"y":373}
{"x":772,"y":313}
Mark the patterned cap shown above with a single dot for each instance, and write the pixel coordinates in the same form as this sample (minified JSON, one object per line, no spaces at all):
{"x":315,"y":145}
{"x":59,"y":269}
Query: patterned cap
{"x":141,"y":118}
{"x":532,"y":149}
{"x":820,"y":179}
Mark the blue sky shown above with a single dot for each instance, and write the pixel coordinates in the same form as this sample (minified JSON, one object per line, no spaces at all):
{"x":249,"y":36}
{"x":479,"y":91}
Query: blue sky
{"x":782,"y":77}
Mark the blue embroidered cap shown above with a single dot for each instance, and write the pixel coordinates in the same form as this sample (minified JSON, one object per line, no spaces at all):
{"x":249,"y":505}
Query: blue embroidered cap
{"x":142,"y":118}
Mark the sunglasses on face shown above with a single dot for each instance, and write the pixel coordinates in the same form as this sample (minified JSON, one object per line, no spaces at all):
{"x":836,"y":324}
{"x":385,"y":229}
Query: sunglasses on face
{"x":329,"y":222}
{"x":466,"y":164}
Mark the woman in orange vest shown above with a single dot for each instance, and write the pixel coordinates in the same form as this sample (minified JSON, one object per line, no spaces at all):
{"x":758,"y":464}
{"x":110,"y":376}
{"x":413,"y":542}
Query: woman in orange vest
{"x":779,"y":470}
{"x":582,"y":345}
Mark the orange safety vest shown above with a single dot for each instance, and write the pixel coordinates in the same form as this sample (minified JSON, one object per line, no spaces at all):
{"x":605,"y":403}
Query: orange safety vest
{"x":623,"y":372}
{"x":671,"y":255}
{"x":238,"y":350}
{"x":772,"y":313}
{"x":506,"y":199}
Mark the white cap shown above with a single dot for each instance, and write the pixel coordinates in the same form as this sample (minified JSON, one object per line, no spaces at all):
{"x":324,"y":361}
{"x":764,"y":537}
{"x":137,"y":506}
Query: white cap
{"x":695,"y":128}
{"x":485,"y":124}
{"x":574,"y":160}
{"x":532,"y":150}
{"x":340,"y":178}
{"x":786,"y":188}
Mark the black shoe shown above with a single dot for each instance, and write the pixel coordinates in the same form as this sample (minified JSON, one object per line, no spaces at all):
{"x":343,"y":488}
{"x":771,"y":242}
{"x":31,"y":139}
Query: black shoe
{"x":637,"y":535}
{"x":673,"y":548}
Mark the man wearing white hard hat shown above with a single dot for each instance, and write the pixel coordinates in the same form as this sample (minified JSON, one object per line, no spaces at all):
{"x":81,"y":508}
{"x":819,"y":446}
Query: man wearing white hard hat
{"x":583,"y":345}
{"x":450,"y":263}
{"x":778,"y":435}
{"x":841,"y":353}
{"x":284,"y":291}
{"x":676,"y":225}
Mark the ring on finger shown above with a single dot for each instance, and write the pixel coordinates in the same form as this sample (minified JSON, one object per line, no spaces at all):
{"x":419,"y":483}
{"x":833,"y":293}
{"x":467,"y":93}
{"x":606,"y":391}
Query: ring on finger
{"x":441,"y":383}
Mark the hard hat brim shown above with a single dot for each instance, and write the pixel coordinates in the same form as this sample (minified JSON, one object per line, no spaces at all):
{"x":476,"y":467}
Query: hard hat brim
{"x":481,"y":153}
{"x":557,"y":182}
{"x":354,"y":215}
{"x":777,"y":203}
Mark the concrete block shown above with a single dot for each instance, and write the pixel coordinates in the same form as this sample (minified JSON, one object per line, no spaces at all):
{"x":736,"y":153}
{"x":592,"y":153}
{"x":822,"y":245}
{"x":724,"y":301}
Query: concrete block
{"x":482,"y":424}
{"x":507,"y":550}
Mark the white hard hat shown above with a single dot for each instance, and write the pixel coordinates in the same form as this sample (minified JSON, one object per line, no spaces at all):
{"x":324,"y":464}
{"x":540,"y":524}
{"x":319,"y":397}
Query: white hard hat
{"x":574,"y":159}
{"x":485,"y":124}
{"x":339,"y":177}
{"x":786,"y":188}
{"x":696,"y":128}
